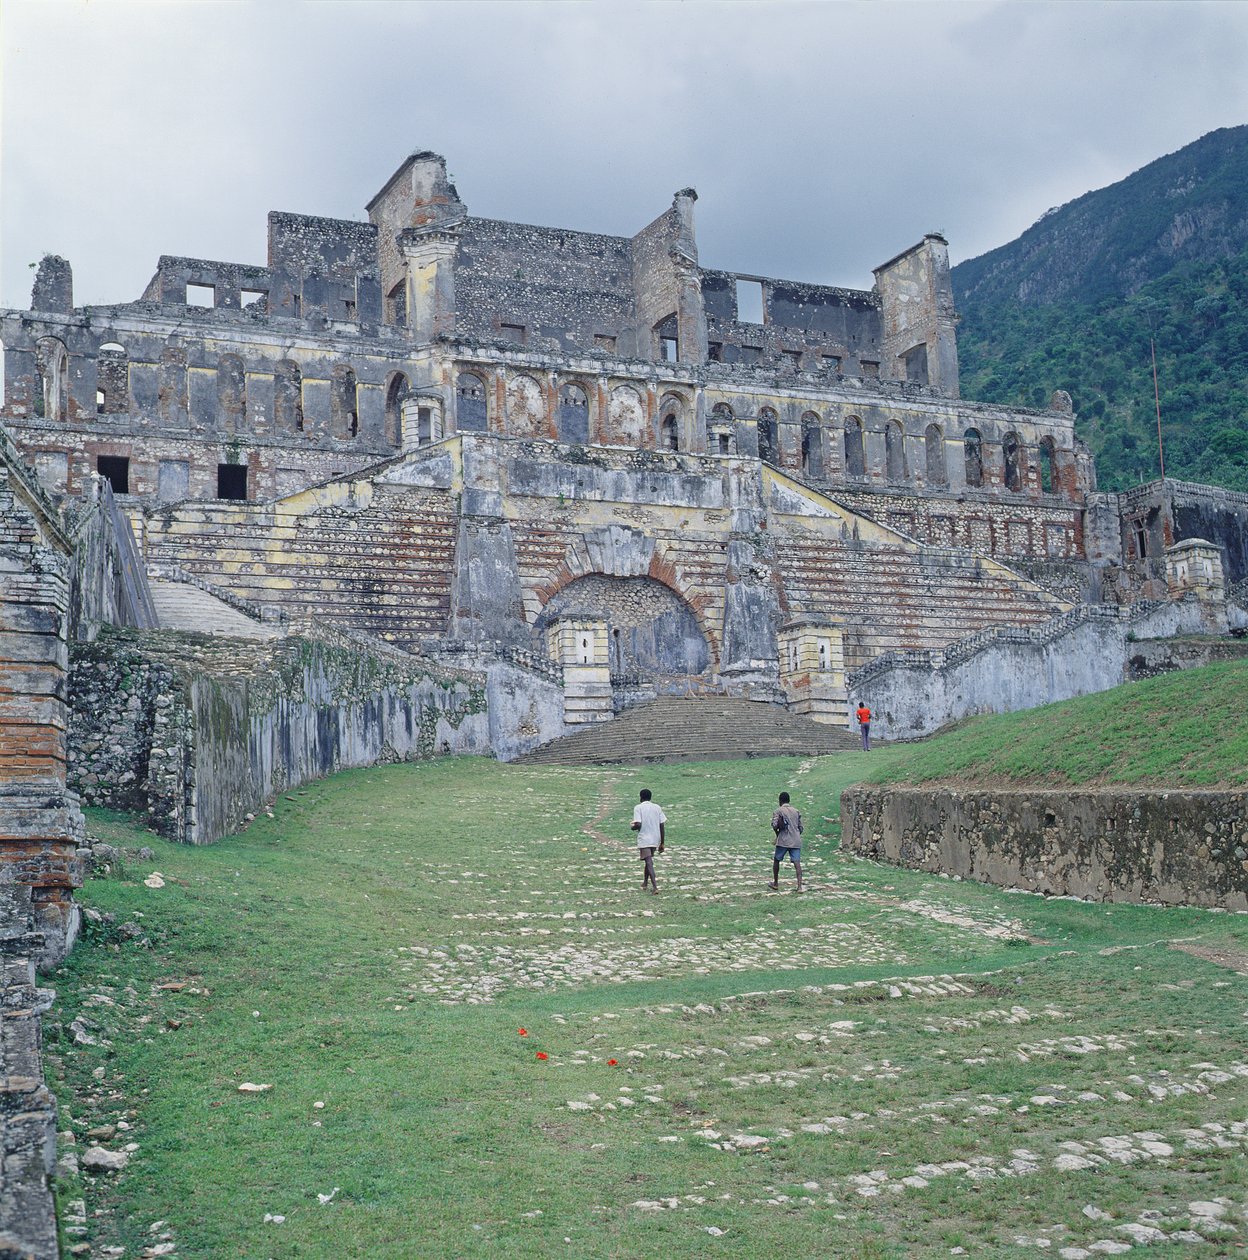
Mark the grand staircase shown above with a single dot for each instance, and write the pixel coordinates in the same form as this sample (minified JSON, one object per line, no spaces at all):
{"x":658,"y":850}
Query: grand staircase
{"x":182,"y":606}
{"x":706,"y":728}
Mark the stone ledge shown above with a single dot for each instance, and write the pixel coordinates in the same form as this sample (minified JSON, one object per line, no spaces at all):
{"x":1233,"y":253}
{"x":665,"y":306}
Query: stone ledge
{"x":1161,"y":846}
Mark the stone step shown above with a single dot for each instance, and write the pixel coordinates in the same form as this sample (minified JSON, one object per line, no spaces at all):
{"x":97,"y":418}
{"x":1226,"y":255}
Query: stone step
{"x":181,"y":606}
{"x":705,"y":728}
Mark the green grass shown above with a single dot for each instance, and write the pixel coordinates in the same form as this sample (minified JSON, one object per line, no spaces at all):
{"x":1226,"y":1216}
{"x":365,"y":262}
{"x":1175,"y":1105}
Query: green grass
{"x":379,"y":942}
{"x":1185,"y":729}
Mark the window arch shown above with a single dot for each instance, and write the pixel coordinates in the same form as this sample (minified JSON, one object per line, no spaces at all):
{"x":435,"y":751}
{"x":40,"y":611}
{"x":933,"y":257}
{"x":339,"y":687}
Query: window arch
{"x":721,"y":429}
{"x":812,"y":445}
{"x":973,"y":446}
{"x":344,"y":406}
{"x":855,"y":464}
{"x":1048,"y":466}
{"x":51,"y":399}
{"x":470,"y":406}
{"x":231,"y":392}
{"x":112,"y":366}
{"x":934,"y":442}
{"x":671,"y":416}
{"x":396,"y":392}
{"x":768,"y":434}
{"x":895,"y":451}
{"x":288,"y":397}
{"x":572,"y":421}
{"x":1012,"y":453}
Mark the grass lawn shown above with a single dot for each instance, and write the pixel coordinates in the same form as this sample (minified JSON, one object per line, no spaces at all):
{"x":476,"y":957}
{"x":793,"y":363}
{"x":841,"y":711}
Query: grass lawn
{"x":890,"y":1065}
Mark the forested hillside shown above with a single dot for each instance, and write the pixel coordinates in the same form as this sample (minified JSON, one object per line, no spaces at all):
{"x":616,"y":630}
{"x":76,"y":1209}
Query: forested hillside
{"x":1072,"y":304}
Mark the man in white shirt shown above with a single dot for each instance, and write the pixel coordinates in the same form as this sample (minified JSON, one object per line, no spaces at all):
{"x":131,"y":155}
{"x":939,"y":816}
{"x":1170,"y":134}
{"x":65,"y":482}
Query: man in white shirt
{"x":648,"y":822}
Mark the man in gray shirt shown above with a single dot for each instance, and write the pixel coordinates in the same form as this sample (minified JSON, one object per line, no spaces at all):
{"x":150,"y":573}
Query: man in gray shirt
{"x":786,"y":822}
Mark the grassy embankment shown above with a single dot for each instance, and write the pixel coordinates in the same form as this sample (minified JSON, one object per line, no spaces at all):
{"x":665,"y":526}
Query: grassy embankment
{"x":377,"y":945}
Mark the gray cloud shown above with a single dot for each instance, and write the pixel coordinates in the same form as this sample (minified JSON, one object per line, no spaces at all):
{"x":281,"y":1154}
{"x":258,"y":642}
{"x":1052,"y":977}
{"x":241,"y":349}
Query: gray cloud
{"x":822,"y":137}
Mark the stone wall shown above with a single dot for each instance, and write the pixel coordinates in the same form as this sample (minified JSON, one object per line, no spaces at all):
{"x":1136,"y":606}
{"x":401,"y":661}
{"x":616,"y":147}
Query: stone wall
{"x":1146,"y":658}
{"x":197,"y":732}
{"x":1176,"y":847}
{"x":1003,"y":669}
{"x":27,"y":1106}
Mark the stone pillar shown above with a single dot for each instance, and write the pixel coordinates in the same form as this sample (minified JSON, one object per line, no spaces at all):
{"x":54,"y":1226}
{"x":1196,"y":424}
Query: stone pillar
{"x":1194,"y":568}
{"x":40,"y":824}
{"x":812,"y":670}
{"x":579,"y":644}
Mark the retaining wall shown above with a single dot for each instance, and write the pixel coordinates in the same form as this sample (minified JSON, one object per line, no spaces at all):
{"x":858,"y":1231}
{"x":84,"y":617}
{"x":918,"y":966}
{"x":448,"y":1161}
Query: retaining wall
{"x":1176,"y":847}
{"x":198,"y":732}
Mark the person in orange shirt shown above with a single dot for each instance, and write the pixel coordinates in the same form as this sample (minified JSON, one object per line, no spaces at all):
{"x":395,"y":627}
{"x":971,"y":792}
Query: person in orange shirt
{"x":863,"y":715}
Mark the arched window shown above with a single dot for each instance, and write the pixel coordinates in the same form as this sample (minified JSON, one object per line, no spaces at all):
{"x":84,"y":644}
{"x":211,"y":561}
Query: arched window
{"x":894,"y":451}
{"x":1012,"y":452}
{"x":288,"y":397}
{"x":934,"y":441}
{"x":667,"y":340}
{"x":344,"y":406}
{"x":671,"y":414}
{"x":51,"y":399}
{"x":720,"y":430}
{"x":626,"y":418}
{"x":231,"y":393}
{"x":112,"y":367}
{"x":470,"y":412}
{"x":1048,"y":456}
{"x":812,"y":445}
{"x":855,"y":465}
{"x":768,"y":432}
{"x":572,"y":422}
{"x":973,"y":445}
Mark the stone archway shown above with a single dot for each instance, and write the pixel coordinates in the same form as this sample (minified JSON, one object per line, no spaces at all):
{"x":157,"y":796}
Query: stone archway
{"x":653,"y":635}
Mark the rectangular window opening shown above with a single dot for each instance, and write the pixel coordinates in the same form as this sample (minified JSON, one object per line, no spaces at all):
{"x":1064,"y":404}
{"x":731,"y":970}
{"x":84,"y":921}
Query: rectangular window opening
{"x":869,"y":367}
{"x":715,"y":352}
{"x":115,"y":469}
{"x":231,"y":481}
{"x":201,"y":295}
{"x":253,"y":299}
{"x":669,"y":349}
{"x":750,"y":354}
{"x":297,"y":302}
{"x":749,"y":301}
{"x":832,"y":363}
{"x":603,"y":341}
{"x":348,"y":309}
{"x":512,"y":332}
{"x":793,"y":359}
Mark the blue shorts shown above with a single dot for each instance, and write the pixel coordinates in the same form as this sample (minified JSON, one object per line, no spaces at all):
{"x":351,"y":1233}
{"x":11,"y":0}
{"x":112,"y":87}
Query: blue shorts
{"x":783,"y":851}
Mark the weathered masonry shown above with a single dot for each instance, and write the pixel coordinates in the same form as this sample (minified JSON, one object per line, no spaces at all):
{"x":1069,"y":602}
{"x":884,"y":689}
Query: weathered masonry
{"x":485,"y":440}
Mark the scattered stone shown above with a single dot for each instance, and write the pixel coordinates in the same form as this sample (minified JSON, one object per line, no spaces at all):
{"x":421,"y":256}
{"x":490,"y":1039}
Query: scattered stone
{"x":249,"y":1087}
{"x":99,"y":1160}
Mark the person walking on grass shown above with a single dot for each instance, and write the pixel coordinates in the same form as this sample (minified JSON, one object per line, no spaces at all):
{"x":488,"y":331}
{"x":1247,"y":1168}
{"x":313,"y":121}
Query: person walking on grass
{"x":863,"y":714}
{"x":786,"y":822}
{"x":649,"y":821}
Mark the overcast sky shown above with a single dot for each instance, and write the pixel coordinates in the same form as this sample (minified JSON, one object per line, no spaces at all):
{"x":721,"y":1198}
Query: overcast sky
{"x":823,"y":138}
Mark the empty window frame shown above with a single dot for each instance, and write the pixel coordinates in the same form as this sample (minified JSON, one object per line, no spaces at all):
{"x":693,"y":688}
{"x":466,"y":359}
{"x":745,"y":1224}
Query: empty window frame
{"x":231,"y":481}
{"x":396,"y":394}
{"x":792,"y":359}
{"x":256,"y":300}
{"x":115,"y":469}
{"x":344,"y":404}
{"x":667,"y":339}
{"x":855,"y":464}
{"x":112,"y":366}
{"x":749,"y":354}
{"x":201,"y":295}
{"x":812,"y":446}
{"x":470,"y":405}
{"x":1012,"y":454}
{"x":604,"y":342}
{"x":973,"y":447}
{"x":514,"y":332}
{"x":768,"y":434}
{"x":869,"y":367}
{"x":288,"y":397}
{"x":348,"y":310}
{"x":715,"y":352}
{"x":934,"y":444}
{"x":396,"y":305}
{"x":1048,"y":461}
{"x":572,"y":417}
{"x":831,"y":363}
{"x":749,"y":301}
{"x":231,"y":392}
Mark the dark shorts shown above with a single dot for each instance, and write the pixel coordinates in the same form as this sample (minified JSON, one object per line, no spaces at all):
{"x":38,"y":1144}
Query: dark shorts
{"x":646,"y":853}
{"x":788,"y":851}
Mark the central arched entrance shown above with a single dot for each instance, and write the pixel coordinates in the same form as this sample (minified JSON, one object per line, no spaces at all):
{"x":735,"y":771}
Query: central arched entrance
{"x":655,"y":645}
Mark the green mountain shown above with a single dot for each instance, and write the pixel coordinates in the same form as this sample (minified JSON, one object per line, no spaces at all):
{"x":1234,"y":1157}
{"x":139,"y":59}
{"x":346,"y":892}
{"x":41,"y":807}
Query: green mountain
{"x":1073,"y":302}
